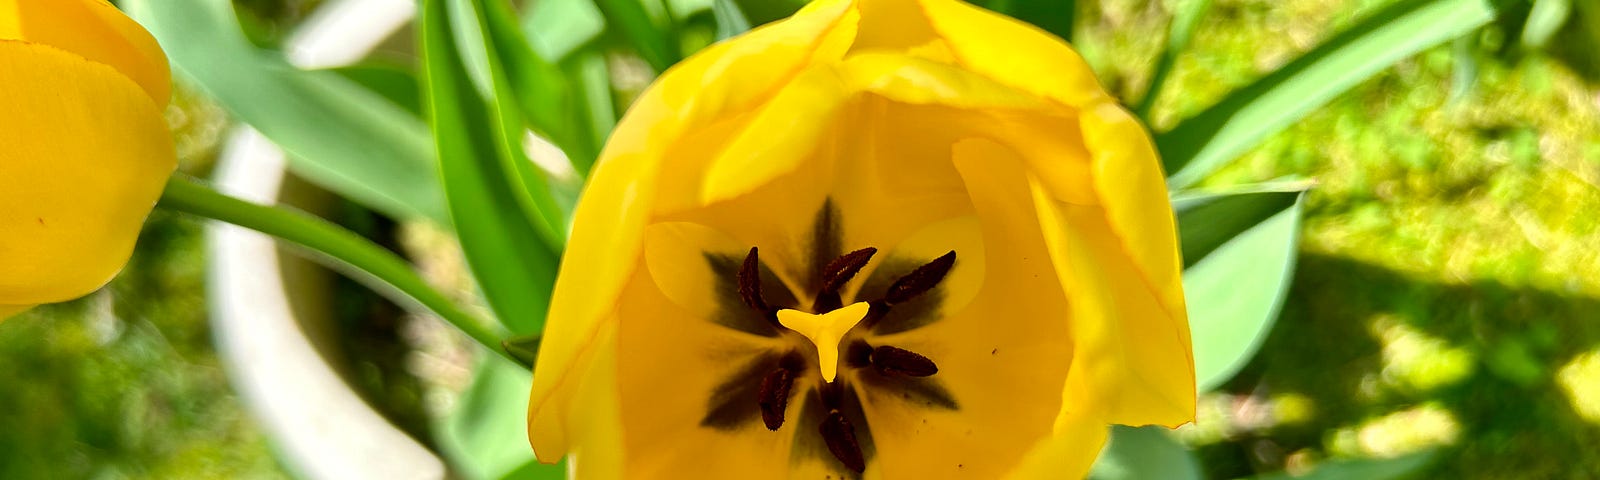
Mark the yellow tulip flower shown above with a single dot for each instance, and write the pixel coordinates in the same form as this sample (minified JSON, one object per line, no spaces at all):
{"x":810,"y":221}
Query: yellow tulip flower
{"x":898,"y":239}
{"x":84,"y":149}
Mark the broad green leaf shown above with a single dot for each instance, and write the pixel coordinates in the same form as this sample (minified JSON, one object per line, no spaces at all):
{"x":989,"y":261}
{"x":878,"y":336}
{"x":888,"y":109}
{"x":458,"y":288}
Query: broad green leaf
{"x":1204,"y":142}
{"x":653,"y":39}
{"x":1544,"y":20}
{"x":394,"y":83}
{"x":594,"y":112}
{"x":1185,"y":15}
{"x":730,"y":20}
{"x":522,"y":84}
{"x":337,"y":134}
{"x":1397,"y":468}
{"x":511,"y":259}
{"x":486,"y":436}
{"x":1239,"y":252}
{"x":557,"y":100}
{"x":1144,"y":453}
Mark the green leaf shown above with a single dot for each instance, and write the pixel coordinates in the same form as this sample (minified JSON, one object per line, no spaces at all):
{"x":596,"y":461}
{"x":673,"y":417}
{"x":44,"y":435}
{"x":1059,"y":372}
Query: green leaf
{"x":1544,"y":20}
{"x":511,"y":259}
{"x":1406,"y":466}
{"x":1204,"y":142}
{"x":760,"y":12}
{"x":394,"y":83}
{"x":1185,"y":16}
{"x":1239,"y":251}
{"x":653,"y":40}
{"x":594,"y":111}
{"x":521,"y":83}
{"x":730,"y":20}
{"x":557,"y":28}
{"x":486,"y":437}
{"x":525,"y":349}
{"x":557,"y":100}
{"x":338,"y":135}
{"x":1144,"y":453}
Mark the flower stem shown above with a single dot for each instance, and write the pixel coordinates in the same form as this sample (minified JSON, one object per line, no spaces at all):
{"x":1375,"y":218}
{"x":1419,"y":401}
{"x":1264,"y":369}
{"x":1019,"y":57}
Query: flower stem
{"x":333,"y":246}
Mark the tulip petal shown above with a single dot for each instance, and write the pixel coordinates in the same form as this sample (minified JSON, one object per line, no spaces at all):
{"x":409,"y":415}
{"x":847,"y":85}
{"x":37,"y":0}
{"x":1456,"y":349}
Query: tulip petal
{"x":1069,"y":453}
{"x":1013,"y":52}
{"x":1003,"y":358}
{"x":95,"y":30}
{"x":609,"y":222}
{"x":882,"y":166}
{"x":1133,"y":363}
{"x":86,"y":155}
{"x":1131,"y":186}
{"x":674,"y":367}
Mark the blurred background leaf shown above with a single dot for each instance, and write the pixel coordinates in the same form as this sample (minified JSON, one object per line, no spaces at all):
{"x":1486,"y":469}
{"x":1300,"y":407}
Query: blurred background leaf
{"x":730,"y":19}
{"x":363,"y":146}
{"x":1406,"y":466}
{"x":1203,"y":142}
{"x":487,"y":434}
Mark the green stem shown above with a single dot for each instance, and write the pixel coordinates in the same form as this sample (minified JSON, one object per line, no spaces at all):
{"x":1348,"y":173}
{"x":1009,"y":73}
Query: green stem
{"x":340,"y":249}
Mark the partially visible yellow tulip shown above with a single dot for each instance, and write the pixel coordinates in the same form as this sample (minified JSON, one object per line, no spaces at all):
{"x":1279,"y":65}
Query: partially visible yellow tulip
{"x":84,"y":148}
{"x":897,"y":239}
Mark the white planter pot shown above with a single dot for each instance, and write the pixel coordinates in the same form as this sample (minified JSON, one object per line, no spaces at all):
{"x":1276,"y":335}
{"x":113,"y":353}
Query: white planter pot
{"x":319,"y":425}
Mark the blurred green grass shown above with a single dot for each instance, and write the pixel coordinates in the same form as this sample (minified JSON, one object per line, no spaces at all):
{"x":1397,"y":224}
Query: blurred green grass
{"x":124,"y":384}
{"x":1447,"y":293}
{"x":1446,"y":297}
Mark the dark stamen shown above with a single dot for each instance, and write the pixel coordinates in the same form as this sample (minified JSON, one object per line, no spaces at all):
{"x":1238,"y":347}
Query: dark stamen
{"x":898,"y":361}
{"x":840,"y":436}
{"x":841,"y":269}
{"x":774,"y":397}
{"x":921,"y":280}
{"x":750,"y":282}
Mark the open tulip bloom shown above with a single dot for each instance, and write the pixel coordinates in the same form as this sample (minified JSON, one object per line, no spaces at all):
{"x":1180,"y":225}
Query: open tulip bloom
{"x":897,"y":239}
{"x":879,"y":239}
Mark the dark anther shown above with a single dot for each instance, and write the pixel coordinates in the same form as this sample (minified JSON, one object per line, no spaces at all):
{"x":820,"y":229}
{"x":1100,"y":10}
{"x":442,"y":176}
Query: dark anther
{"x":921,"y":280}
{"x":774,"y":397}
{"x":898,"y":361}
{"x":750,"y":282}
{"x":834,"y":276}
{"x":840,"y":436}
{"x":841,"y":269}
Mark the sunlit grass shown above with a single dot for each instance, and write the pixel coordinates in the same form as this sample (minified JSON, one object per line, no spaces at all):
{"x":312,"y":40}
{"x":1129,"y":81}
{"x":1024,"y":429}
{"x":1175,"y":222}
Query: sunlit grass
{"x":1447,"y":286}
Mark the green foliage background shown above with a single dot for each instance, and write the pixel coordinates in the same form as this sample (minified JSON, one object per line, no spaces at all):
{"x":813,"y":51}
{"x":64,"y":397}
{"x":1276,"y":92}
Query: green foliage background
{"x":1446,"y":296}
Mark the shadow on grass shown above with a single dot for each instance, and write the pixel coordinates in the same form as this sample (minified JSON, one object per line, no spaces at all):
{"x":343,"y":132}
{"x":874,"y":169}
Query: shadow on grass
{"x":1514,"y":419}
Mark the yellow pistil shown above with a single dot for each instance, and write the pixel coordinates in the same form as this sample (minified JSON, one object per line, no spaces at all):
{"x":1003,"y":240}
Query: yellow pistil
{"x":825,"y":331}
